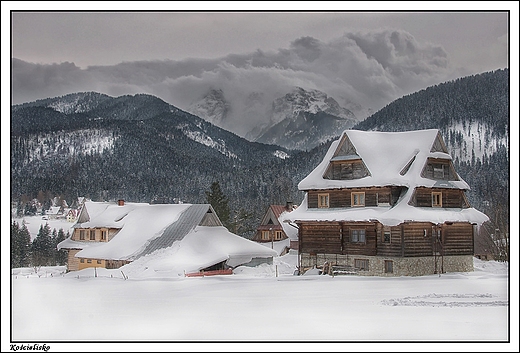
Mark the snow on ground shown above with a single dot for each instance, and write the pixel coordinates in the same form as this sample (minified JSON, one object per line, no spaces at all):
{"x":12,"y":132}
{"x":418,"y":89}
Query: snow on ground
{"x":263,"y":304}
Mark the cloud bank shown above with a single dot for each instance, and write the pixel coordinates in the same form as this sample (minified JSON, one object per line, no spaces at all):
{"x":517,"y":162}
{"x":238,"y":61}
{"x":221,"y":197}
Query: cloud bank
{"x":370,"y":69}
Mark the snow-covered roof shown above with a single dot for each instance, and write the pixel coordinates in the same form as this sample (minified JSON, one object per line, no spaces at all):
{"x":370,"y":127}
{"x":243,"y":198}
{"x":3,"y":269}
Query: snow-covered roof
{"x":391,"y":158}
{"x":138,"y":224}
{"x":145,"y":229}
{"x":279,"y":246}
{"x":201,"y":248}
{"x":290,"y":231}
{"x":385,"y":155}
{"x":53,"y":210}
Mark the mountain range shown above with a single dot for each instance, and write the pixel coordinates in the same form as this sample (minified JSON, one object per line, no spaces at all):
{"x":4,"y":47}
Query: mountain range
{"x":142,"y":149}
{"x":301,"y":119}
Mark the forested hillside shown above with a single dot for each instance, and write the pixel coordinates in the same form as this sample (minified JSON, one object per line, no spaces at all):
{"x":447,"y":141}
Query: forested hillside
{"x":142,"y":149}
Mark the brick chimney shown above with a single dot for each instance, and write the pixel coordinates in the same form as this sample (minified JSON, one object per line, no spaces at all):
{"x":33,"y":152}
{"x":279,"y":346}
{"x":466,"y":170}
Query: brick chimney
{"x":120,"y":202}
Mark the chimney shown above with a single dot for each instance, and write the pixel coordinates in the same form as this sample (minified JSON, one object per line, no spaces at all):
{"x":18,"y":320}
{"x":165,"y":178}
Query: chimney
{"x":289,"y":205}
{"x":120,"y":202}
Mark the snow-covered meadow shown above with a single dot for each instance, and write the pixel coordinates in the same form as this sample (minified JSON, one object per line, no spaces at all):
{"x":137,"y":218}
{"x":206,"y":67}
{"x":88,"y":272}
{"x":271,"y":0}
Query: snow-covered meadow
{"x":256,"y":304}
{"x":102,"y":310}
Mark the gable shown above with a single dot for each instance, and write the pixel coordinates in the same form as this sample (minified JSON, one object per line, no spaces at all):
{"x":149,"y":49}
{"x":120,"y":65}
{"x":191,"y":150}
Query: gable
{"x":270,"y":218}
{"x":438,"y":145}
{"x":345,"y":163}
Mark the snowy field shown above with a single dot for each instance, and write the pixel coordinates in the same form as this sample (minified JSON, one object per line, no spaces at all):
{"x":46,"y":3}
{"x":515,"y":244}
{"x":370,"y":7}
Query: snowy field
{"x":152,"y":310}
{"x":255,"y":304}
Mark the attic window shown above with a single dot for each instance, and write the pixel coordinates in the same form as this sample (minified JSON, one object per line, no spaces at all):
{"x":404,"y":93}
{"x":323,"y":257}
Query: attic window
{"x":270,"y":221}
{"x":438,"y":171}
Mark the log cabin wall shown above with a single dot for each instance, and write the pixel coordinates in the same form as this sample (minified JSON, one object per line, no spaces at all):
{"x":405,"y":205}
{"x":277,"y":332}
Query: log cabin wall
{"x":388,"y":240}
{"x":457,"y":239}
{"x":417,"y":239}
{"x":341,"y":198}
{"x":451,"y":198}
{"x":319,"y":237}
{"x":337,"y":238}
{"x":351,"y":247}
{"x":439,"y":169}
{"x":347,"y":170}
{"x":411,"y":239}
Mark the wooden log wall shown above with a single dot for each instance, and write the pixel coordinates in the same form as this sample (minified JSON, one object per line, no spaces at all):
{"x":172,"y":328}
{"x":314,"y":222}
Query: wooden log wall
{"x":415,"y":241}
{"x":451,"y":198}
{"x":458,"y":239}
{"x":320,"y":238}
{"x":393,"y":248}
{"x":341,"y":198}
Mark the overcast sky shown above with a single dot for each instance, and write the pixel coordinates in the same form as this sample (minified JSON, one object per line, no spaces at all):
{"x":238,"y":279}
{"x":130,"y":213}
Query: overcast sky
{"x":366,"y":58}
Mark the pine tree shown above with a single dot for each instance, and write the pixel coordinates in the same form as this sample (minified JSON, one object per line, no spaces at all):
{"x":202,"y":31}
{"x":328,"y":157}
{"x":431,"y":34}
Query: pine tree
{"x":42,"y":247}
{"x":60,"y":255}
{"x":216,"y":198}
{"x":15,"y":230}
{"x":20,"y":245}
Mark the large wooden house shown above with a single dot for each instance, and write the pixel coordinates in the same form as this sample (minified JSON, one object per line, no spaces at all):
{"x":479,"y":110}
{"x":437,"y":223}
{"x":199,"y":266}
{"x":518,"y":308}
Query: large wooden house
{"x":281,"y":236}
{"x":386,"y":204}
{"x":111,"y":235}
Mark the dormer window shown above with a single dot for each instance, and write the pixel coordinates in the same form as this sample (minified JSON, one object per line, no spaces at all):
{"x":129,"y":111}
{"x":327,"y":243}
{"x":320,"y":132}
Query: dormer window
{"x":438,"y":171}
{"x":436,"y":199}
{"x":358,"y":199}
{"x":323,"y":200}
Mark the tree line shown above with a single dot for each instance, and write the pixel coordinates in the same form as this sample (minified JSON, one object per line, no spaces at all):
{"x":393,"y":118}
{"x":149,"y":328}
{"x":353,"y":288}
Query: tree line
{"x":42,"y":251}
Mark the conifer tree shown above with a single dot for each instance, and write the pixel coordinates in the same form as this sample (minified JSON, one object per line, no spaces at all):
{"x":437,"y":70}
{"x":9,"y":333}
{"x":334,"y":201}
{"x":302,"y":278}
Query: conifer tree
{"x":60,"y":255}
{"x":41,"y":249}
{"x":20,"y":245}
{"x":216,"y":198}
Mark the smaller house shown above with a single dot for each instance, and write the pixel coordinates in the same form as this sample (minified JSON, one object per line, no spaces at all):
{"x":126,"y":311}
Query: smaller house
{"x":111,"y":235}
{"x":53,"y":212}
{"x":273,"y":232}
{"x":72,"y":215}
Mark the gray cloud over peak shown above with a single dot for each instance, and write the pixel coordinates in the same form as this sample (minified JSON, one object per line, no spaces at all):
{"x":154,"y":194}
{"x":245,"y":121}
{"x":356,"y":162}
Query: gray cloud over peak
{"x":370,"y":68}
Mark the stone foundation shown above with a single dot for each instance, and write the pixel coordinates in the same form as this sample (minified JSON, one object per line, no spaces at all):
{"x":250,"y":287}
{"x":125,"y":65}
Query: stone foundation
{"x":401,"y":266}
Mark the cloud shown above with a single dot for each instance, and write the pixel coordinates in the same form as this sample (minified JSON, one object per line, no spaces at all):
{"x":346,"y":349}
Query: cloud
{"x":368,"y":68}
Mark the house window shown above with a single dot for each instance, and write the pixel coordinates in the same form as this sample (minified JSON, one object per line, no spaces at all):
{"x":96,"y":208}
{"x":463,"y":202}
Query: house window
{"x":89,"y":261}
{"x":323,"y":200}
{"x":103,"y":235}
{"x":92,"y":234}
{"x":389,"y":266}
{"x":265,"y":235}
{"x":361,"y":264}
{"x":278,"y":235}
{"x":98,"y":262}
{"x":357,"y":236}
{"x":438,"y":171}
{"x":436,"y":199}
{"x":82,"y":234}
{"x":358,"y":199}
{"x":82,"y":260}
{"x":386,"y":235}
